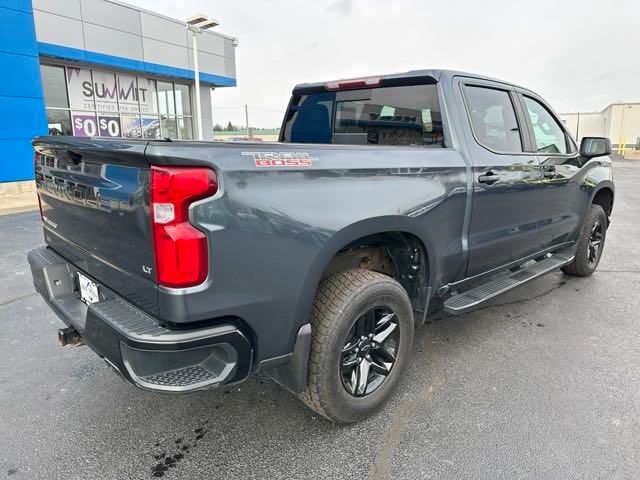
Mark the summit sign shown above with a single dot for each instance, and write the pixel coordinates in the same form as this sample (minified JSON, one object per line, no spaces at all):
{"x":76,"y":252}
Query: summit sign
{"x":110,"y":92}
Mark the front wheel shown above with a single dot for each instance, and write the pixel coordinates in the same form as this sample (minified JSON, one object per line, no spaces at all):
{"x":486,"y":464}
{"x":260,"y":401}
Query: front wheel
{"x":362,"y":336}
{"x":590,"y":243}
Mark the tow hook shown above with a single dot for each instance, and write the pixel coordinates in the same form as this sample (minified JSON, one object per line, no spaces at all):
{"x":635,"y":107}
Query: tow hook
{"x":69,"y":336}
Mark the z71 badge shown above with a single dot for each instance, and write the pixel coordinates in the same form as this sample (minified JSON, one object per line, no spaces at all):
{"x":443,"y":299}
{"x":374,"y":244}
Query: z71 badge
{"x":281,"y":159}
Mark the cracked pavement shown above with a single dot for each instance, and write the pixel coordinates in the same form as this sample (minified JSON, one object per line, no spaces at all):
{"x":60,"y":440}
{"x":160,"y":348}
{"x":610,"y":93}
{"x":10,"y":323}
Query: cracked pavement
{"x":544,"y":383}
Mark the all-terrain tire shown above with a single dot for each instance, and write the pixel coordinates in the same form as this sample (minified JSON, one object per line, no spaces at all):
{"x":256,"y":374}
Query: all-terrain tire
{"x":582,"y":265}
{"x":341,"y":299}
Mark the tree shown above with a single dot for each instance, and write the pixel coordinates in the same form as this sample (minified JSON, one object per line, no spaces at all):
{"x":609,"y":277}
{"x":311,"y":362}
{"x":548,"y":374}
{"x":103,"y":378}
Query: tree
{"x":230,"y":127}
{"x":217,"y":128}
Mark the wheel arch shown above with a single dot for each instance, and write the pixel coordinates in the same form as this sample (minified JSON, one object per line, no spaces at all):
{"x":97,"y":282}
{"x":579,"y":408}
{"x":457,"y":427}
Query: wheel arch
{"x":380,"y":226}
{"x":604,"y":196}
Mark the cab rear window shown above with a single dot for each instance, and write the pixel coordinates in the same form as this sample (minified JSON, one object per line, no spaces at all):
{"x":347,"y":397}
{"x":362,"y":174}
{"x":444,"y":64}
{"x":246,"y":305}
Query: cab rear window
{"x":400,"y":115}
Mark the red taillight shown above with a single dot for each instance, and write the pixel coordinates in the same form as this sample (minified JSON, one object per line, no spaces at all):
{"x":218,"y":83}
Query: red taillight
{"x":353,"y":83}
{"x":182,"y":258}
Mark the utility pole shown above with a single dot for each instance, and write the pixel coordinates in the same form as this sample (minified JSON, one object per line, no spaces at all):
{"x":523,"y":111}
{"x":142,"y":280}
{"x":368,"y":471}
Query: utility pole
{"x":246,"y":120}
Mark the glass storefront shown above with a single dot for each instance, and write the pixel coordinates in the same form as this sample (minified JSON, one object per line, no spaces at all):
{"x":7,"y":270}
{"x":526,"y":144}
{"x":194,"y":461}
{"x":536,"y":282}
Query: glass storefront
{"x":97,"y":103}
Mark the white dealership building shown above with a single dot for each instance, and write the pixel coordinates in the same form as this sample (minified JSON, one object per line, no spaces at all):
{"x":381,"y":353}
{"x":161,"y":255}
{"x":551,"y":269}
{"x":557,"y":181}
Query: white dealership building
{"x":101,"y":68}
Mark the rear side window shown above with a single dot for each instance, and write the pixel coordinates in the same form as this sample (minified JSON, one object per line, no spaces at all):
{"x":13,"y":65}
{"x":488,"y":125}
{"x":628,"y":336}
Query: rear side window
{"x":549,"y":135}
{"x":493,"y":119}
{"x":404,"y":115}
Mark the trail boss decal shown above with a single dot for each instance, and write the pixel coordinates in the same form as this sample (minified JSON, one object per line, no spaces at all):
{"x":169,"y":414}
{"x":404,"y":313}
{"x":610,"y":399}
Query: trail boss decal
{"x":281,"y":159}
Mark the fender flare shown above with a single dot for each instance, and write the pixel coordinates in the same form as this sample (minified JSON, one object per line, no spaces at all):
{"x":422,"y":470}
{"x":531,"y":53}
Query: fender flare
{"x":600,"y":186}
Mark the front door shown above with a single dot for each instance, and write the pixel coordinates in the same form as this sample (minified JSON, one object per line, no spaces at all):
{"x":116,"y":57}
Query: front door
{"x":563,"y":206}
{"x":506,"y":179}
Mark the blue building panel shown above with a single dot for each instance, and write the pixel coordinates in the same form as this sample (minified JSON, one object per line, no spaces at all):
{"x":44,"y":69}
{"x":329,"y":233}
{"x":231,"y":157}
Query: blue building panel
{"x":21,"y":99}
{"x":112,"y":61}
{"x":22,"y":117}
{"x":20,"y":76}
{"x":19,"y":5}
{"x":16,"y":162}
{"x":17,"y":32}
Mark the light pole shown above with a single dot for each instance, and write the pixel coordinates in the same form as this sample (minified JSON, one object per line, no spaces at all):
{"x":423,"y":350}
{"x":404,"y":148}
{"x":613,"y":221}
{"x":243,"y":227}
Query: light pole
{"x":197,"y":24}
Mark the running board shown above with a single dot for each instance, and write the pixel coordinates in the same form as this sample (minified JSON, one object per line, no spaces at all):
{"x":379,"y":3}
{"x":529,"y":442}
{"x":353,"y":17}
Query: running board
{"x":462,"y":302}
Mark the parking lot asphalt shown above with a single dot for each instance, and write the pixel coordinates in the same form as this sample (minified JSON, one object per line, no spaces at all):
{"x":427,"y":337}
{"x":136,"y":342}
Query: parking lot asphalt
{"x":544,"y":383}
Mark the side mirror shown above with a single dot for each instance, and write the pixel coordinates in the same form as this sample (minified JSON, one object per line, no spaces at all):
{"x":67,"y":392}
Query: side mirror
{"x":591,"y":147}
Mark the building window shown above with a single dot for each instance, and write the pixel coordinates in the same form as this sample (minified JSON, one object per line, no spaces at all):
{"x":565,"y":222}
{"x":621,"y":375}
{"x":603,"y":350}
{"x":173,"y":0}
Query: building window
{"x":184,"y":127}
{"x":175,"y":110}
{"x":168,"y":126}
{"x":59,"y":122}
{"x":98,"y":103}
{"x":183,"y":99}
{"x":55,"y":86}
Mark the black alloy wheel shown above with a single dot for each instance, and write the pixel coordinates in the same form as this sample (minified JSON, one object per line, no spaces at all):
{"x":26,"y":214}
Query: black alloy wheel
{"x":595,"y":241}
{"x":362,"y":332}
{"x":369,"y":352}
{"x":590,"y":243}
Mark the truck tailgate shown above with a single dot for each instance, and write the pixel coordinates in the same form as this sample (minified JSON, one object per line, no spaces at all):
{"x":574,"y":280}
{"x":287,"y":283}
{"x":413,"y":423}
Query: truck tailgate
{"x":95,"y":209}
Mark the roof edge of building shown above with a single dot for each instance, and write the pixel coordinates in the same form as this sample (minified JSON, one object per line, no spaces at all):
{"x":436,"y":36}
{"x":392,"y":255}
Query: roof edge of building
{"x":600,"y":111}
{"x":166,"y":17}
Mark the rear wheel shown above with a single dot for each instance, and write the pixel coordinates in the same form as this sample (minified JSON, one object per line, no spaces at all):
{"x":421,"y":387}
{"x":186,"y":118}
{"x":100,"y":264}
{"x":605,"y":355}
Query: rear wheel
{"x":590,"y":243}
{"x":362,"y":324}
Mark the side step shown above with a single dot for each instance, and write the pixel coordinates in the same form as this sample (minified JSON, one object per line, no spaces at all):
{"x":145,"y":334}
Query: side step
{"x":462,"y":302}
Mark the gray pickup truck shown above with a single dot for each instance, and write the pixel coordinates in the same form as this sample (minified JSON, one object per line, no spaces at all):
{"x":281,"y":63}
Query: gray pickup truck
{"x":188,"y":265}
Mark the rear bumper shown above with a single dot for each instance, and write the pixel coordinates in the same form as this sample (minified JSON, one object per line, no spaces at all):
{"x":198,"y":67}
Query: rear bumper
{"x":144,"y":352}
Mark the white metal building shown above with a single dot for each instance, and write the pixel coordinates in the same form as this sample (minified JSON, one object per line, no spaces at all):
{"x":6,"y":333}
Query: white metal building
{"x":618,"y":121}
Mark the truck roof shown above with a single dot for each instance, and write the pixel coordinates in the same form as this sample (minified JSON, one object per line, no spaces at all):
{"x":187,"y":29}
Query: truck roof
{"x":436,"y":75}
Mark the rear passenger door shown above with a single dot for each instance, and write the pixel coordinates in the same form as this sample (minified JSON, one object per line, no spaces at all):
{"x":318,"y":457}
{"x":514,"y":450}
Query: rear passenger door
{"x":506,"y":177}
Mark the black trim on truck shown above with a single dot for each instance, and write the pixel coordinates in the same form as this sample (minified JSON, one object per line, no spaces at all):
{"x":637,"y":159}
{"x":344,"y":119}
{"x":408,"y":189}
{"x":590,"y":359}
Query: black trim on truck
{"x":145,"y":353}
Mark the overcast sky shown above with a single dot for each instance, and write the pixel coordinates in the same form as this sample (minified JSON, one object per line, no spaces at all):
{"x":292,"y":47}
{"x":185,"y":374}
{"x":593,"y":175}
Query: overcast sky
{"x":580,"y":55}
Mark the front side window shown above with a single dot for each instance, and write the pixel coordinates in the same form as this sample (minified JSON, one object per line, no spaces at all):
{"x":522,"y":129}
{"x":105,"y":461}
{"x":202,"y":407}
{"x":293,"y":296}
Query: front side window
{"x":493,"y":119}
{"x":406,"y":115}
{"x":549,"y":135}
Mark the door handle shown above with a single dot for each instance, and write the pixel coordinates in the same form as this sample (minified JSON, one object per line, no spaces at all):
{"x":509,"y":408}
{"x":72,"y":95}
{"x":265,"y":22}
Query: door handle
{"x":549,"y":172}
{"x":488,"y":178}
